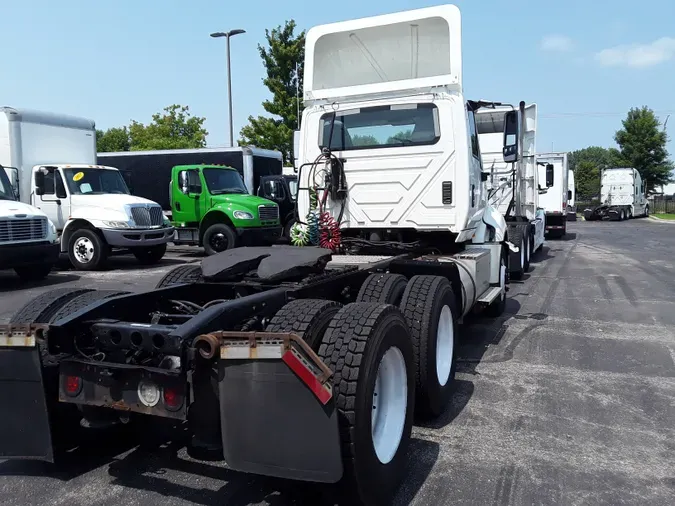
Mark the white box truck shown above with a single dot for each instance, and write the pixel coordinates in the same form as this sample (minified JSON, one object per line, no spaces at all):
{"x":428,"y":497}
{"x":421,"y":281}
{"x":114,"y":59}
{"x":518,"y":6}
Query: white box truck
{"x":512,"y":188}
{"x":51,"y":163}
{"x":554,"y":170}
{"x":29,"y":243}
{"x":622,"y":196}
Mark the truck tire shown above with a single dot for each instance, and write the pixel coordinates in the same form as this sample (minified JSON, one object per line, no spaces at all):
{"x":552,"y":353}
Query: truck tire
{"x":368,"y":347}
{"x":288,"y":227}
{"x":150,"y":255}
{"x":189,"y":273}
{"x":86,"y":250}
{"x":517,"y":235}
{"x":83,"y":300}
{"x":383,"y":288}
{"x":309,"y":318}
{"x":43,"y":307}
{"x":429,"y":306}
{"x":33,"y":272}
{"x":218,"y":238}
{"x":528,"y":248}
{"x":498,"y":307}
{"x":646,"y":211}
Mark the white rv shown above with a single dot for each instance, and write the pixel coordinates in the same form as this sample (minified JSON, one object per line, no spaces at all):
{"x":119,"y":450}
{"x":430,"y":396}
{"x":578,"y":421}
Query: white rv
{"x":622,"y":196}
{"x":512,"y":188}
{"x":51,"y":162}
{"x":553,"y":169}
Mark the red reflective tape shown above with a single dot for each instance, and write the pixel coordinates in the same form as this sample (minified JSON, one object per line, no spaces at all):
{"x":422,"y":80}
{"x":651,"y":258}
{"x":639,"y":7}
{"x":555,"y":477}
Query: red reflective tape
{"x":308,"y":378}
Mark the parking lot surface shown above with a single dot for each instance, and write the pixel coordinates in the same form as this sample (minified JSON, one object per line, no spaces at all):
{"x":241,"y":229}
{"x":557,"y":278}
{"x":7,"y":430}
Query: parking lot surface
{"x":566,"y":400}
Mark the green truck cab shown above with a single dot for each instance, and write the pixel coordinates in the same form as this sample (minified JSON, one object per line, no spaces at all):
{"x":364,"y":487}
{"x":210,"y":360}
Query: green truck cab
{"x":211,"y":207}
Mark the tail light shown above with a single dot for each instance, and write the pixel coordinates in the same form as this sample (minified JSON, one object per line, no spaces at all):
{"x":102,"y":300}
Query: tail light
{"x":173,"y":400}
{"x":72,"y":385}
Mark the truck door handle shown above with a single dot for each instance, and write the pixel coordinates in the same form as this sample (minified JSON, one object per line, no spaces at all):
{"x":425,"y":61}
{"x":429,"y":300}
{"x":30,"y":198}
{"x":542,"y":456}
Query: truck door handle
{"x":177,"y":206}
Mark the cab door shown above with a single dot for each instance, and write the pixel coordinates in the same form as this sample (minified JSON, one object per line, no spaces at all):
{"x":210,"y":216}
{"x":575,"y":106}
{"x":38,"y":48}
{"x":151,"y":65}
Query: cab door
{"x":187,"y":202}
{"x":50,"y":195}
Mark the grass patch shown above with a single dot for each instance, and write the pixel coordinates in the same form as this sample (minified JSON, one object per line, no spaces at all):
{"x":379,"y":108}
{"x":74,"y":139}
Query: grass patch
{"x":664,"y":216}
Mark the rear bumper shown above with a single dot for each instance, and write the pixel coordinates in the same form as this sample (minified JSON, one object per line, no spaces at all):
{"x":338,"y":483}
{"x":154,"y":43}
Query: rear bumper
{"x":129,"y":237}
{"x":19,"y":255}
{"x":259,"y":236}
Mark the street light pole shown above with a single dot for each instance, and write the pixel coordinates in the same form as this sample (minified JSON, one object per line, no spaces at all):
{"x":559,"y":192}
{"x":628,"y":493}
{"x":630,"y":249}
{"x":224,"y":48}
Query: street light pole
{"x":227,"y":36}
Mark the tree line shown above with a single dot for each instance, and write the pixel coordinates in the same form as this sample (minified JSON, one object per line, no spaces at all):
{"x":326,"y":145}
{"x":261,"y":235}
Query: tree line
{"x":641,"y":140}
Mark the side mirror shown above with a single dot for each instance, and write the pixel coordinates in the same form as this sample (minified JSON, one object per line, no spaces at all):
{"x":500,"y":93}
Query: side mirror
{"x":510,"y":151}
{"x":569,"y":194}
{"x":13,"y":174}
{"x":39,"y":183}
{"x":296,"y":148}
{"x":549,"y":175}
{"x":484,"y":176}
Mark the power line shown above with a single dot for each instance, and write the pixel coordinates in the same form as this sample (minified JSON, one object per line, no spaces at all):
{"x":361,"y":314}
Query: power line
{"x":562,"y":115}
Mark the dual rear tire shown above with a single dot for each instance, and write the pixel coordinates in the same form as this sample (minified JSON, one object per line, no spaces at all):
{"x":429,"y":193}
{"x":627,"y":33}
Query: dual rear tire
{"x":393,"y":355}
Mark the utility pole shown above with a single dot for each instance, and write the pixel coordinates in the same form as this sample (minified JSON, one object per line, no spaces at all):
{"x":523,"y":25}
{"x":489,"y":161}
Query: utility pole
{"x":227,"y":36}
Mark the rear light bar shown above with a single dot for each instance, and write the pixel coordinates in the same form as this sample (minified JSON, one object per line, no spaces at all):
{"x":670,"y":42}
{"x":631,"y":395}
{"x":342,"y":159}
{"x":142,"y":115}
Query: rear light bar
{"x":287,"y":347}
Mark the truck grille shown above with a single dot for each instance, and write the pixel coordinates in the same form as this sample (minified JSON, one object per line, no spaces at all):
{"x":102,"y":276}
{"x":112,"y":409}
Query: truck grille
{"x":147,"y":216}
{"x":268,"y":213}
{"x":30,"y":229}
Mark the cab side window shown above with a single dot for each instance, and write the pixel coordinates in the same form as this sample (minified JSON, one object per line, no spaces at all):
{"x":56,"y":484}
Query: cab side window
{"x":49,"y":183}
{"x":60,"y":188}
{"x":475,"y":151}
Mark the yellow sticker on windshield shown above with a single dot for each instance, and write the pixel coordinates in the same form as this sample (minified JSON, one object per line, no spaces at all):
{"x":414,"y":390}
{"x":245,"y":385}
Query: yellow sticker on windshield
{"x":78,"y":176}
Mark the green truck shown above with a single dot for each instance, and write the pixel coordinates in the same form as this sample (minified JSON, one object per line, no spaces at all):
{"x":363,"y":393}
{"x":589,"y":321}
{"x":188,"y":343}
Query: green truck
{"x":211,"y":207}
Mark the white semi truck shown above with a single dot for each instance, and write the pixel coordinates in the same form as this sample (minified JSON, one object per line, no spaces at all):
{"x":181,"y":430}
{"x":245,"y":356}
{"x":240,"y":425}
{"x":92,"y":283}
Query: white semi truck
{"x":28,"y":240}
{"x":555,"y":171}
{"x":572,"y":197}
{"x":324,"y":354}
{"x":513,"y":188}
{"x":51,"y":162}
{"x":622,"y":196}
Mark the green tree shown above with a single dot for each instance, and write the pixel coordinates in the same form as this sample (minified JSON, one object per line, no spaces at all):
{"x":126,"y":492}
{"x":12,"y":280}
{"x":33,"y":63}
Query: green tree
{"x":643,"y":146}
{"x":285,"y":50}
{"x":587,"y":164}
{"x":113,"y":139}
{"x":175,"y":128}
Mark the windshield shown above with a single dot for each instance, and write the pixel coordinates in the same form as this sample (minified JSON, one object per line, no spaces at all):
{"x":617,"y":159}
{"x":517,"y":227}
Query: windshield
{"x":6,"y":192}
{"x":220,"y":181}
{"x":380,"y":127}
{"x":86,"y":181}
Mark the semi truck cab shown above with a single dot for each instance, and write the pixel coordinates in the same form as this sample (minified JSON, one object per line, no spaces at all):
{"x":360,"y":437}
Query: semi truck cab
{"x":211,"y":207}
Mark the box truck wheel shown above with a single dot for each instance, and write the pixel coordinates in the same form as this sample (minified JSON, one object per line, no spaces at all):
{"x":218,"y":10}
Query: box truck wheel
{"x":150,"y":255}
{"x":369,"y":349}
{"x":217,"y":238}
{"x":288,"y":227}
{"x":429,"y":306}
{"x":86,"y":250}
{"x":33,"y":272}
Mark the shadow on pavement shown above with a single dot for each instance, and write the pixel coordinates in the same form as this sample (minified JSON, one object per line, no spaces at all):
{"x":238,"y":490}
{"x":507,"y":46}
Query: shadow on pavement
{"x":10,"y":282}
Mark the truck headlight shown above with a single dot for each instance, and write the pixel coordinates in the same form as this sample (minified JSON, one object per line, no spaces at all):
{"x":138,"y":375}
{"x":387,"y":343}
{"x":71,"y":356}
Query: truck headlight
{"x":242,"y":215}
{"x":116,"y":224}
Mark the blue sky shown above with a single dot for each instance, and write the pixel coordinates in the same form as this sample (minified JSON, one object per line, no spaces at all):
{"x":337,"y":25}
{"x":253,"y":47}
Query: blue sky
{"x":583,"y":64}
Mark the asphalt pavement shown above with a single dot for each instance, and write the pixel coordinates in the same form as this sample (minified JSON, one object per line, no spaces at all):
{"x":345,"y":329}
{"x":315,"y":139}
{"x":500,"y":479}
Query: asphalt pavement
{"x":566,"y":400}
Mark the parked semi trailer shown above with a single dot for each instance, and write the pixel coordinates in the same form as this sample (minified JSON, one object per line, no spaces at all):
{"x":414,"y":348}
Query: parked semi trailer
{"x":622,"y":196}
{"x":51,"y":162}
{"x":512,"y":188}
{"x":307,"y":362}
{"x":554,"y":201}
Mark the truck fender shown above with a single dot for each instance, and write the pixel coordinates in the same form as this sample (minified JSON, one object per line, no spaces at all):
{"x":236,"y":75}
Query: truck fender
{"x":70,"y":226}
{"x":491,"y":218}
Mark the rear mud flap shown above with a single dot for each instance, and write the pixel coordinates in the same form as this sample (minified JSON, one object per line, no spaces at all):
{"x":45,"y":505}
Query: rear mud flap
{"x":273,"y":424}
{"x":24,"y":418}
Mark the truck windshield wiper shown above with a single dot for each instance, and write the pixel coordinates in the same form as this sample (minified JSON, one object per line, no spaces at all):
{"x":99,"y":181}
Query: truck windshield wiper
{"x":228,"y":190}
